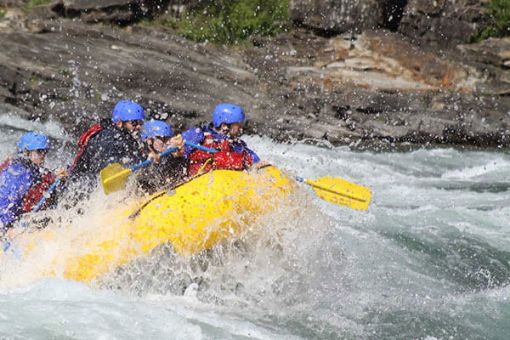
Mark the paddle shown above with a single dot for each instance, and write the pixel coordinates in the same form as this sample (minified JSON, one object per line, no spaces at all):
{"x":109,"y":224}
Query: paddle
{"x":331,"y":189}
{"x":7,"y":242}
{"x":47,"y":194}
{"x":114,"y":176}
{"x":340,"y":192}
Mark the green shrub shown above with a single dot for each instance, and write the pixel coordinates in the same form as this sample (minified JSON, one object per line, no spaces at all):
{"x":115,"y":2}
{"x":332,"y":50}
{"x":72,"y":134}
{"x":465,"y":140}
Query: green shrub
{"x":500,"y":20}
{"x":232,"y":21}
{"x":32,"y":3}
{"x":2,"y":13}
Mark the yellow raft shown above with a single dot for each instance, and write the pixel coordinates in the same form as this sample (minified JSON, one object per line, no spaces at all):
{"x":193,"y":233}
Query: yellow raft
{"x":194,"y":217}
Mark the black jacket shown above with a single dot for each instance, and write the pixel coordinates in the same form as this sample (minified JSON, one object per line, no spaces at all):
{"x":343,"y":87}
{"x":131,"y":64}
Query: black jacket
{"x":167,"y":174}
{"x":110,"y":145}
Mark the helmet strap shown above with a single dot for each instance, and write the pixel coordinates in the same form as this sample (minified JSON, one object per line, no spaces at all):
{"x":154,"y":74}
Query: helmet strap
{"x":122,"y":125}
{"x":150,"y":146}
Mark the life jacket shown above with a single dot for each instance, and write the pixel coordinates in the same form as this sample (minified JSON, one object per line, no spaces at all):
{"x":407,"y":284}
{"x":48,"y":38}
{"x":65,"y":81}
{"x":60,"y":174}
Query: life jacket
{"x":36,"y":192}
{"x":83,"y":141}
{"x":40,"y":181}
{"x":5,"y":164}
{"x":226,"y":158}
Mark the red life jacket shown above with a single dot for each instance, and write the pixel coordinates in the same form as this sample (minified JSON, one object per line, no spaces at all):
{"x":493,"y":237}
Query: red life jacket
{"x":224,"y":159}
{"x":83,"y":141}
{"x":5,"y":164}
{"x":36,"y":191}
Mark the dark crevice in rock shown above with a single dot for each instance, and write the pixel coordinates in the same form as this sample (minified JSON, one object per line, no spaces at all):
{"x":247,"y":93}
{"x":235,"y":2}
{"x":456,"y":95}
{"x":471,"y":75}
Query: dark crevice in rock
{"x":393,"y":11}
{"x":368,"y":110}
{"x":59,"y":9}
{"x":186,"y":114}
{"x":11,"y":100}
{"x":342,"y":112}
{"x":320,"y":32}
{"x":118,"y":12}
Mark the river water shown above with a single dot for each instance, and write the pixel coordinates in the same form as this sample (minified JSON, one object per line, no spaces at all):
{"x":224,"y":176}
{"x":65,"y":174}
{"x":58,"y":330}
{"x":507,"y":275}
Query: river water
{"x":429,"y":260}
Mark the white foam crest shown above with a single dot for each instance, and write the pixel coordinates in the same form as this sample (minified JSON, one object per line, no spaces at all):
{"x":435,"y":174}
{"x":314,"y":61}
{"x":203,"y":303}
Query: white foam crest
{"x":252,"y":276}
{"x":50,"y":128}
{"x":216,"y":316}
{"x":472,"y":172}
{"x":61,"y":239}
{"x":59,"y":308}
{"x":310,"y":268}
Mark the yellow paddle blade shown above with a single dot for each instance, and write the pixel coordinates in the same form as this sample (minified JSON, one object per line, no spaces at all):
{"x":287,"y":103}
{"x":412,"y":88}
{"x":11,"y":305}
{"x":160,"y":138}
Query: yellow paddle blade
{"x":113,"y":177}
{"x":341,"y":192}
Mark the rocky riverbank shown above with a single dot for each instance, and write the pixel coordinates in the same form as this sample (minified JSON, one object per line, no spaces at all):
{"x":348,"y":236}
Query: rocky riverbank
{"x":350,"y":72}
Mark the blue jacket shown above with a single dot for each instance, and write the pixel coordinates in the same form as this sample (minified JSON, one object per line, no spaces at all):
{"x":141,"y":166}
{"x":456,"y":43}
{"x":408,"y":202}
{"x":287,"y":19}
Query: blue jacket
{"x":15,"y":180}
{"x":196,"y":135}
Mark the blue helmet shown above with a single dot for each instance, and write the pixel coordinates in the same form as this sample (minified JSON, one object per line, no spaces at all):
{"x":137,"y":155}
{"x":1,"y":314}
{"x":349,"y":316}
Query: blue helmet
{"x":156,"y":128}
{"x":226,"y":113}
{"x":31,"y":141}
{"x":126,"y":110}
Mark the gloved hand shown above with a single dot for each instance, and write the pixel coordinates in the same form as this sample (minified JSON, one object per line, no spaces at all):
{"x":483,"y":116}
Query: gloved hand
{"x":61,"y":172}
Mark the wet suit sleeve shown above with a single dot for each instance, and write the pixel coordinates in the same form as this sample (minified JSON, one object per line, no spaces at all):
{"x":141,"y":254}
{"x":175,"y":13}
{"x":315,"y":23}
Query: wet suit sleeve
{"x":193,"y":135}
{"x":255,"y":158}
{"x":14,"y":183}
{"x":240,"y":146}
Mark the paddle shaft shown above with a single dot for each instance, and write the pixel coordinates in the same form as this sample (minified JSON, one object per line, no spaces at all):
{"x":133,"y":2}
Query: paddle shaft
{"x":200,"y":147}
{"x":320,"y":187}
{"x":299,"y":179}
{"x":149,"y":161}
{"x":133,"y":168}
{"x":7,"y":244}
{"x":48,"y":192}
{"x":138,"y":166}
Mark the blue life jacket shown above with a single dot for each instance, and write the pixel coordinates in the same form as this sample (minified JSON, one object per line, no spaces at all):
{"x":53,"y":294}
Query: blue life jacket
{"x":15,"y":180}
{"x":196,"y":135}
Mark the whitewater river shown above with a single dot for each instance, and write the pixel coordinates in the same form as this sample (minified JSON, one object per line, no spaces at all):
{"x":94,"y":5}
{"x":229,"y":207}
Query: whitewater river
{"x":429,"y":260}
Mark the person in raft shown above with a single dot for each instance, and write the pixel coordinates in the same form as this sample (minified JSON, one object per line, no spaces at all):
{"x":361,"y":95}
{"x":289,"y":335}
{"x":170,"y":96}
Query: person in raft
{"x":222,"y":134}
{"x":167,"y":171}
{"x":24,"y":180}
{"x":111,"y":140}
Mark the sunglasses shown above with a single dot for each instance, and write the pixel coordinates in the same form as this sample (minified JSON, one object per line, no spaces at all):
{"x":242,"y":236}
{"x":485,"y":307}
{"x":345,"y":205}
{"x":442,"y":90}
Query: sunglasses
{"x":163,"y":139}
{"x":41,"y":151}
{"x":134,"y":122}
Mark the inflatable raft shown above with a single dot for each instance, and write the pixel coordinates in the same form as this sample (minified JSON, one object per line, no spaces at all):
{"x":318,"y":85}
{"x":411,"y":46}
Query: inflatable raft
{"x":192,"y":218}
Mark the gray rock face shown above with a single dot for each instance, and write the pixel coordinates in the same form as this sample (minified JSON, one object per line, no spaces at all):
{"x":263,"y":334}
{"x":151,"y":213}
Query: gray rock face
{"x":379,"y":88}
{"x":376,"y":87}
{"x":443,"y":23}
{"x":337,"y":16}
{"x":83,"y":5}
{"x":491,"y":51}
{"x":75,"y":73}
{"x":437,"y":23}
{"x":115,"y":11}
{"x":493,"y":56}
